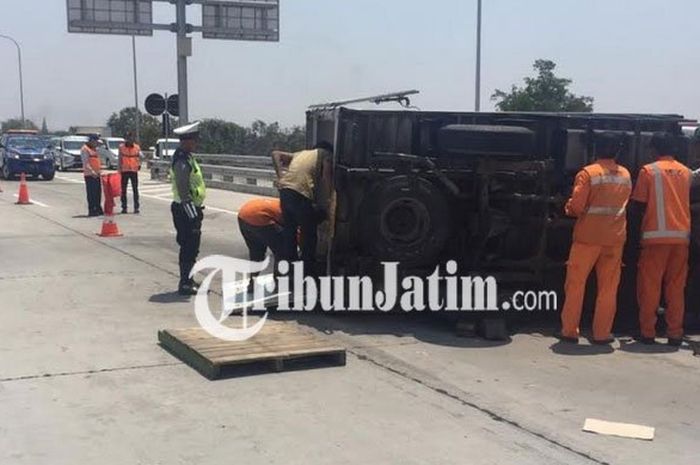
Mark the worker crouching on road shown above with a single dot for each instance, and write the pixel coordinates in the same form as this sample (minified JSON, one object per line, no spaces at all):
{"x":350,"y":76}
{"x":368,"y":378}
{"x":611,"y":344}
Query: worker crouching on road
{"x":92,"y":169}
{"x":129,"y":165}
{"x":663,"y":189}
{"x":304,"y":183}
{"x":599,"y":203}
{"x":260,"y":222}
{"x":187,"y":208}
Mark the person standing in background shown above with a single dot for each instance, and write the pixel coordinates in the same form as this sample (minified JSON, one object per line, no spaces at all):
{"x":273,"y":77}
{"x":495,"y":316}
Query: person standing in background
{"x":129,"y":163}
{"x":92,"y":169}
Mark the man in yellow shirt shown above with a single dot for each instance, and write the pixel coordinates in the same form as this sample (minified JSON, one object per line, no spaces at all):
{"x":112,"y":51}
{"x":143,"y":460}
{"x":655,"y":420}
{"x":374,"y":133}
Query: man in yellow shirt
{"x":304,"y":183}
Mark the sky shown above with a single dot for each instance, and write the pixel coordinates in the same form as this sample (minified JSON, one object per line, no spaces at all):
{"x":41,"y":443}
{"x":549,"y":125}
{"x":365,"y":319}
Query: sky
{"x":630,"y":55}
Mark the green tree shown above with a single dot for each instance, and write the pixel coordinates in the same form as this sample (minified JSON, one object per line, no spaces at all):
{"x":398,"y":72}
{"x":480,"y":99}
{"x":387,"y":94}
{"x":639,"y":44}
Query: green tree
{"x":219,"y":136}
{"x":44,"y":127}
{"x":124,"y":121}
{"x":16,"y":123}
{"x":545,"y":92}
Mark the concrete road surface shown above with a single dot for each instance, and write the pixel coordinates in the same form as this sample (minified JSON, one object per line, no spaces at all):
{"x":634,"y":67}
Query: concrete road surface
{"x":83,"y":381}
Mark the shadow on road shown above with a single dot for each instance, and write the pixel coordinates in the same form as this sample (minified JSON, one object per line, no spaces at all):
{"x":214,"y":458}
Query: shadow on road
{"x":563,"y":348}
{"x":168,"y":298}
{"x":636,"y":347}
{"x":429,"y":328}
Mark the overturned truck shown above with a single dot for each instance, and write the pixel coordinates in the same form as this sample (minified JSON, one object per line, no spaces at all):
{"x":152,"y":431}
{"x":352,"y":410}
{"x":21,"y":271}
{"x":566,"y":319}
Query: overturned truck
{"x":484,"y":189}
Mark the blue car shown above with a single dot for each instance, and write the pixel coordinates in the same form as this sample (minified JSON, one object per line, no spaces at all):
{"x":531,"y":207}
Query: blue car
{"x":25,"y":152}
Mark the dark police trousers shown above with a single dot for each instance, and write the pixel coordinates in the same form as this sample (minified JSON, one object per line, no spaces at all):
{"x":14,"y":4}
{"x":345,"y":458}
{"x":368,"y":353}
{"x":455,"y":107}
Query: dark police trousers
{"x":189,"y":235}
{"x":132,"y":176}
{"x":93,"y":188}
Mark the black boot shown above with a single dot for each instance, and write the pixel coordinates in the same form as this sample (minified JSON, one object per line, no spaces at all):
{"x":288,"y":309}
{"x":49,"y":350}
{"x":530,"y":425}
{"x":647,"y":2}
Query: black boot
{"x":188,"y":288}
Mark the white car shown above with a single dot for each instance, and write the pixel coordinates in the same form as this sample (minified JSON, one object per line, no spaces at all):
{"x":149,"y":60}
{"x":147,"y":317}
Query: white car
{"x":109,"y":151}
{"x":67,"y":152}
{"x":165,"y":148}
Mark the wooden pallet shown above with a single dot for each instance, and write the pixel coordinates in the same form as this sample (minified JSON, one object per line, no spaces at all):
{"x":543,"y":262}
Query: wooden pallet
{"x":277,"y":346}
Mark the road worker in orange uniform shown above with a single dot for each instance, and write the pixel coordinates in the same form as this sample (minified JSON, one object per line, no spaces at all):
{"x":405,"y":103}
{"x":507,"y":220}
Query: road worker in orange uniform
{"x":664,"y":188}
{"x":92,"y":169}
{"x":129,"y":165}
{"x":599,"y":204}
{"x":261,"y":224}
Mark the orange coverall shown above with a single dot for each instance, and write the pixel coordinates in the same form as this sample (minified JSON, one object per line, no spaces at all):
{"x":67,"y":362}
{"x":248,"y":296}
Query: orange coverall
{"x":599,"y":202}
{"x":664,"y":187}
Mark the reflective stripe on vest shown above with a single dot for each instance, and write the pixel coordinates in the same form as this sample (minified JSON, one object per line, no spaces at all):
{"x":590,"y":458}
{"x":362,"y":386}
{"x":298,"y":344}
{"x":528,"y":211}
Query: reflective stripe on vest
{"x":611,"y":179}
{"x":662,"y":231}
{"x":607,"y":211}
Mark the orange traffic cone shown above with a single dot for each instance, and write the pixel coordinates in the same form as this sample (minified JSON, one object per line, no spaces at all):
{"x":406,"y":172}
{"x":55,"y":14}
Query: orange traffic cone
{"x":109,"y":228}
{"x":23,"y":197}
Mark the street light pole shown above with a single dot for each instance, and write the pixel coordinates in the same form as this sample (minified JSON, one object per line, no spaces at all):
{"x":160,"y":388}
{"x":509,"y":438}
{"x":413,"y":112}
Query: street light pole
{"x":21,"y":80}
{"x":477,"y":98}
{"x":184,"y":50}
{"x":136,"y":91}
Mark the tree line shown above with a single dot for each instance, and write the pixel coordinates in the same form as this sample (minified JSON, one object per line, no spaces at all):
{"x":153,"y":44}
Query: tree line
{"x":544,"y":91}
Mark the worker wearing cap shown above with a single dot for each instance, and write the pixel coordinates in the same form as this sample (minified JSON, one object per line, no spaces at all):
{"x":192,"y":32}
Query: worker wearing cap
{"x":92,"y":169}
{"x":261,"y":225}
{"x":303,"y":180}
{"x":187,"y":208}
{"x":599,"y":201}
{"x":129,"y":162}
{"x":663,"y":189}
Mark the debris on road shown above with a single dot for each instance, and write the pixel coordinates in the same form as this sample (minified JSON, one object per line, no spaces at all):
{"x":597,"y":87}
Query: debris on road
{"x":623,"y":430}
{"x":277,"y":347}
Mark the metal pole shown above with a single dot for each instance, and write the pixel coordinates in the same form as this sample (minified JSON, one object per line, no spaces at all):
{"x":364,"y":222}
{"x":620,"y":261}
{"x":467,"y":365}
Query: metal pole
{"x":136,"y":91}
{"x":21,"y":79}
{"x":183,"y":51}
{"x":477,"y":98}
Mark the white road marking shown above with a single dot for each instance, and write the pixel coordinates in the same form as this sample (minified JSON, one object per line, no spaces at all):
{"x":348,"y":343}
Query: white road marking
{"x":35,"y":202}
{"x":74,"y":181}
{"x":150,"y":193}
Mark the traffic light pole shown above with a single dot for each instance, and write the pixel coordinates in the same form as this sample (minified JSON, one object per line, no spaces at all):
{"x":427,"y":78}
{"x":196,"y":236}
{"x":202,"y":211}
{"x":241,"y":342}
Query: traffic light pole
{"x":184,"y":50}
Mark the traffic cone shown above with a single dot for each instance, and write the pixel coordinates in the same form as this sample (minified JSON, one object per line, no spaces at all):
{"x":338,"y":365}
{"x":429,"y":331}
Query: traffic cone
{"x":23,"y":197}
{"x":110,"y":228}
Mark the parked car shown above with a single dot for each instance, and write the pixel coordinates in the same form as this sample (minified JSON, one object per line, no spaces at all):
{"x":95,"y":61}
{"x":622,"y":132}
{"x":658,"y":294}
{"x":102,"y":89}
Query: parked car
{"x":68,"y":152}
{"x":165,"y":148}
{"x":53,"y":144}
{"x":25,"y":151}
{"x":109,"y":151}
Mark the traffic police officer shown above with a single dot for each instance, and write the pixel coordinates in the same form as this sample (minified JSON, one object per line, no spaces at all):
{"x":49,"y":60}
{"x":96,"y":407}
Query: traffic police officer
{"x":187,"y":208}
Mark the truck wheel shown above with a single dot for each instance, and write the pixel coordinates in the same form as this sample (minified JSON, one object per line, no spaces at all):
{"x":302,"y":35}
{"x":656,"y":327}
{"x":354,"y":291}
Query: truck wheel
{"x":405,"y":219}
{"x":48,"y":177}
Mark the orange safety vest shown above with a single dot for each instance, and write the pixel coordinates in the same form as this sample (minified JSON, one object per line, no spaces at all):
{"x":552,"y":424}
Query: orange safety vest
{"x":93,"y":160}
{"x":665,"y":187}
{"x":603,"y":218}
{"x":130,"y":157}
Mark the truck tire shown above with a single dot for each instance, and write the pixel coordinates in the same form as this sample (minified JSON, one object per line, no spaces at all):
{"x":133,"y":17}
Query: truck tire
{"x":405,"y":219}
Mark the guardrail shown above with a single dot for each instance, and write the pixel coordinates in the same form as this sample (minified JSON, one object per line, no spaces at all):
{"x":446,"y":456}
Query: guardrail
{"x":257,"y":177}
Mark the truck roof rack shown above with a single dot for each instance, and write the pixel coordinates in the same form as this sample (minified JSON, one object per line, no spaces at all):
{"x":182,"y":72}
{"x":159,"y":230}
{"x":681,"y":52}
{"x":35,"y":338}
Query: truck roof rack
{"x":401,"y":97}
